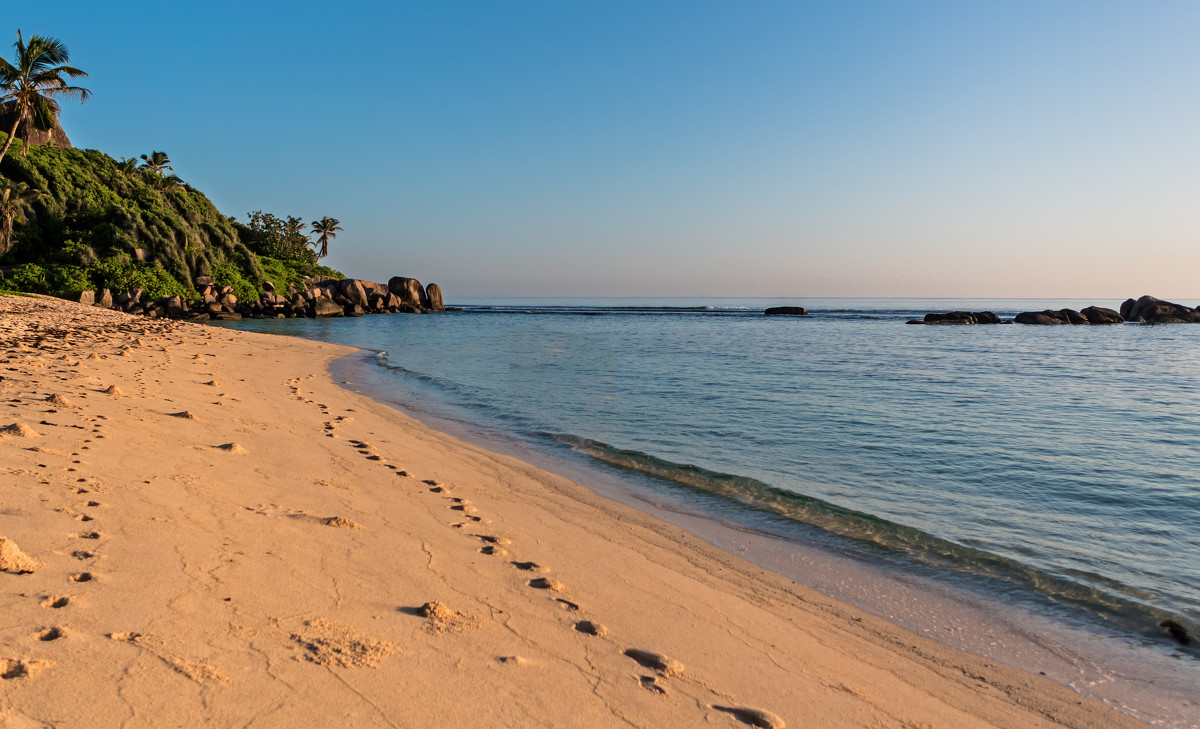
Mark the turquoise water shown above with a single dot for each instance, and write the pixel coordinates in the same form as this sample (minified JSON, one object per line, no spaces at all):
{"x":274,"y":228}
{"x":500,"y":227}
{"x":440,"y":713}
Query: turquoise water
{"x":1057,"y":467}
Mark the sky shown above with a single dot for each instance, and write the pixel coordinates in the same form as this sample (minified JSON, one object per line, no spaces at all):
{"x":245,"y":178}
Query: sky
{"x":677,"y":147}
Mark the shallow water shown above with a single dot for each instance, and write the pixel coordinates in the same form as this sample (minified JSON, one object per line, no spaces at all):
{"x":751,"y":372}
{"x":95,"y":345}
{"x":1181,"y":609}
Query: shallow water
{"x":1053,"y":467}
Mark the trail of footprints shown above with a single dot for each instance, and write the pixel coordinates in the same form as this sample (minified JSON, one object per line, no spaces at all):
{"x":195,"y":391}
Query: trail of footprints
{"x":118,"y":339}
{"x":537,"y":577}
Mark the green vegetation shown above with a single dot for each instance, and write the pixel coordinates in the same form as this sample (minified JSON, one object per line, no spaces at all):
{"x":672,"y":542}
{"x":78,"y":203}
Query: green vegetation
{"x":96,"y":217}
{"x":31,"y":81}
{"x":72,"y":220}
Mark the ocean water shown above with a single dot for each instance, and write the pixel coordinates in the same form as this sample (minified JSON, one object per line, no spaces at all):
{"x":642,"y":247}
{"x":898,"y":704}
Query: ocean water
{"x":1055,"y":467}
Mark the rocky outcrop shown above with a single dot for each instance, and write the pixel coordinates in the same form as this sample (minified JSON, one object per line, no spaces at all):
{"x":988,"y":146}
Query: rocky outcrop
{"x":1042,"y":318}
{"x":54,"y":136}
{"x":323,"y":296}
{"x":959,"y":317}
{"x":433,"y":294}
{"x":1150,"y":310}
{"x":786,"y":311}
{"x":1091,"y":315}
{"x":1100,"y":315}
{"x":1146,"y":310}
{"x":409,"y":290}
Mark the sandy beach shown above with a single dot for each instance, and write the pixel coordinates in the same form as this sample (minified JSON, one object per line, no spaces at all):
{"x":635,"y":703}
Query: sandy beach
{"x":201,"y":528}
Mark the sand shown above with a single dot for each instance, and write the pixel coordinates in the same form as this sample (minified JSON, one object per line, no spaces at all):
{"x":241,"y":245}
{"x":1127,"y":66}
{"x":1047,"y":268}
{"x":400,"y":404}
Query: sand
{"x":219,"y":535}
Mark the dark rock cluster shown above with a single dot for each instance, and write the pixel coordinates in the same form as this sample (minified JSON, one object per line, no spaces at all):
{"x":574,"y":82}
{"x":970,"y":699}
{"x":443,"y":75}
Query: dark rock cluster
{"x":1156,"y":311}
{"x":786,"y":311}
{"x":1090,"y":315}
{"x":322,"y":296}
{"x":959,"y":317}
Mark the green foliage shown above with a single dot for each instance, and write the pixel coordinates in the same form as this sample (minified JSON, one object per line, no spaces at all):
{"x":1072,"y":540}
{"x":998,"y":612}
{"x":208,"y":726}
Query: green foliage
{"x":274,"y":237}
{"x":89,"y":203}
{"x":283,"y":273}
{"x":82,"y":233}
{"x":228,"y":274}
{"x":55,"y":279}
{"x":120,"y":274}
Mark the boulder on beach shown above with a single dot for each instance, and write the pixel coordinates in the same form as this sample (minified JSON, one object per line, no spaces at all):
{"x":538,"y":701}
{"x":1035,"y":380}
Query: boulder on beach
{"x":323,"y":307}
{"x":786,"y":311}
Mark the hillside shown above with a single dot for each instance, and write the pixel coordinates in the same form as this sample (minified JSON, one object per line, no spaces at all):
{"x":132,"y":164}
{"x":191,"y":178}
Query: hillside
{"x":98,"y":226}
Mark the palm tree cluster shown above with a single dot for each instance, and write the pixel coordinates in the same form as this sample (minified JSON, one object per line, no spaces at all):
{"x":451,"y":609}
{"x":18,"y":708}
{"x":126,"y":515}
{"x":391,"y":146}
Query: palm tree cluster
{"x":30,"y":83}
{"x":153,"y":169}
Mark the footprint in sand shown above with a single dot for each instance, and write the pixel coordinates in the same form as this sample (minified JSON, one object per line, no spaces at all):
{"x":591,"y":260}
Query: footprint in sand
{"x":87,"y":535}
{"x":440,"y":618}
{"x":668,"y":667}
{"x":591,"y":628}
{"x":530,"y":566}
{"x":11,"y":668}
{"x":82,"y":577}
{"x":492,"y":549}
{"x":753,"y":717}
{"x":547,"y":583}
{"x":56,"y":602}
{"x":49,"y":634}
{"x":653,"y":683}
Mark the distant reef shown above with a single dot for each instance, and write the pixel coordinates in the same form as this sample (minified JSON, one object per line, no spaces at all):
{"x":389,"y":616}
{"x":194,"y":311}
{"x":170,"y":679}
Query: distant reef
{"x":1145,"y":310}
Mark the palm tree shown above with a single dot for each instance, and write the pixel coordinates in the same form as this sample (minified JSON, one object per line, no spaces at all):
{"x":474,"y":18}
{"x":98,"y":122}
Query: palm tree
{"x":13,"y":199}
{"x":30,"y":83}
{"x":128,"y":166}
{"x":156,"y":162}
{"x":169,"y":183}
{"x":325,"y":228}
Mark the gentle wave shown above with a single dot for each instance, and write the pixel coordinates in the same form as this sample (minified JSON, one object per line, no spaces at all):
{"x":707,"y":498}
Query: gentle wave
{"x":1123,"y":609}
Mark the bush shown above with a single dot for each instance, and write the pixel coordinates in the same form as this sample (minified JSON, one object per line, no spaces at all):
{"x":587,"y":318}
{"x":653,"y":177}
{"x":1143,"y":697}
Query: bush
{"x":120,"y":274}
{"x":227,"y":274}
{"x":55,"y":279}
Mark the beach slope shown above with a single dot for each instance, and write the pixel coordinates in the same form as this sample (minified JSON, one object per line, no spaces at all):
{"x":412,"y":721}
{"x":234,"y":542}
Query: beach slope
{"x":200,"y":528}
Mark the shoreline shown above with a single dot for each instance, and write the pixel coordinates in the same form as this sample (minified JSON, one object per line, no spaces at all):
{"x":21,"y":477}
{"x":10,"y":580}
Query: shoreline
{"x":1111,"y":668}
{"x":218,"y":586}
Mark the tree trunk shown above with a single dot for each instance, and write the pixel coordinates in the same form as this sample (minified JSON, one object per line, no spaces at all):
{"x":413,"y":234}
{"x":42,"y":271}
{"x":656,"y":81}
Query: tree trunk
{"x":12,"y":134}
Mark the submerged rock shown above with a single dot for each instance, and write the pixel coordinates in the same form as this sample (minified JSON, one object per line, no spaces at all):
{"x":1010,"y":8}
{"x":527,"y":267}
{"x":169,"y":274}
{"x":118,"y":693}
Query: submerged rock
{"x":786,"y":311}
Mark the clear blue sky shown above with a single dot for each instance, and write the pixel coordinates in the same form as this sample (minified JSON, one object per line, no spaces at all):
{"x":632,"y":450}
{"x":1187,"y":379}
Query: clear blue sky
{"x":677,"y":148}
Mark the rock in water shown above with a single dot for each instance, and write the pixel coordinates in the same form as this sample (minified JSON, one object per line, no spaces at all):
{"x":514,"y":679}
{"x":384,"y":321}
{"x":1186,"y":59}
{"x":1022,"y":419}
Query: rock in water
{"x":1099,"y":315}
{"x":433,"y":293}
{"x":1042,"y":318}
{"x":409,"y":290}
{"x":786,"y":311}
